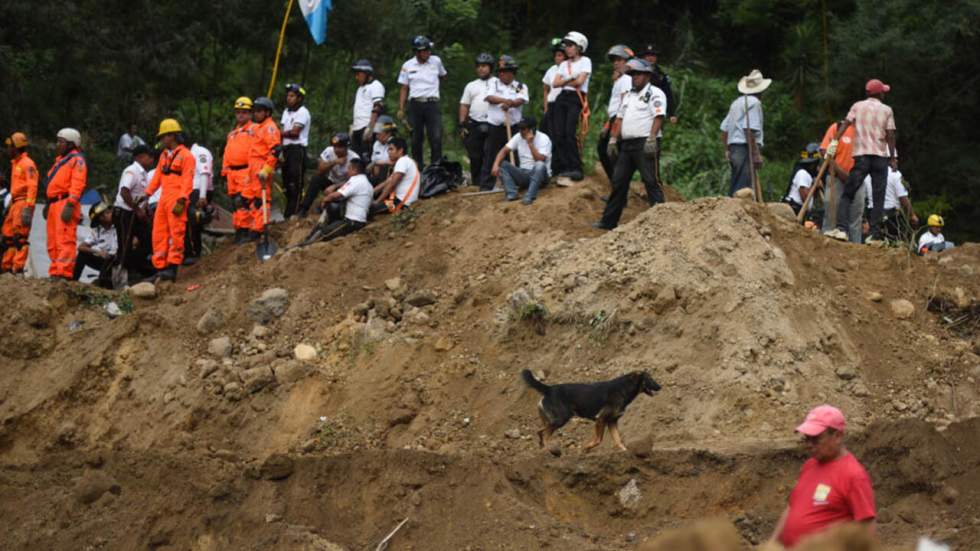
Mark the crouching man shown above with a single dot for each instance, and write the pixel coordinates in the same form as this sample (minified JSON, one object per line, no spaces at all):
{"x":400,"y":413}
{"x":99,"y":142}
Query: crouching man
{"x":98,"y":250}
{"x":345,"y":210}
{"x":534,"y":156}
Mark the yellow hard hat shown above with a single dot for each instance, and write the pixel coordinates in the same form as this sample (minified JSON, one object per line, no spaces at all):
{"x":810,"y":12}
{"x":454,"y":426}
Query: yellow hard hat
{"x":243,"y":103}
{"x":168,"y":126}
{"x":17,"y":139}
{"x":935,"y":220}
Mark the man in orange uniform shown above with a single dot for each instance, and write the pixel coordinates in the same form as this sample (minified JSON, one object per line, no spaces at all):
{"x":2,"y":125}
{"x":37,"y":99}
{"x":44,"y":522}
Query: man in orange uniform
{"x":23,"y":193}
{"x":66,"y":181}
{"x":175,"y":173}
{"x":262,"y":160}
{"x":234,"y":166}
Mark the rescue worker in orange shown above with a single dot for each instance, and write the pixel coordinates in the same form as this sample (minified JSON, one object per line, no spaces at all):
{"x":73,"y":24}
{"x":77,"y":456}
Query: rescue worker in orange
{"x":66,"y":181}
{"x":23,"y":194}
{"x":262,"y":159}
{"x":175,"y":173}
{"x":234,"y":166}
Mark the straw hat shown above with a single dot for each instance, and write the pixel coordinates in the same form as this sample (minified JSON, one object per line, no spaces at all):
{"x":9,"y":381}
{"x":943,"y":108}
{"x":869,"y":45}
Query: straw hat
{"x":753,"y":83}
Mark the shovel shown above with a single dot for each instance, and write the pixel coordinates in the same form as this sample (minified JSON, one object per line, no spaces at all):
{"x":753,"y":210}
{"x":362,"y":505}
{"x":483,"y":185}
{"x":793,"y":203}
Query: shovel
{"x":265,"y":248}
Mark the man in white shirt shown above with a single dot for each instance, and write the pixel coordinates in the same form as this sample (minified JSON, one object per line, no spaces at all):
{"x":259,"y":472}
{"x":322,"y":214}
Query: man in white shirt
{"x":933,"y":240}
{"x":129,"y":212}
{"x":473,"y":126}
{"x":331,"y":171}
{"x":98,"y":250}
{"x":401,"y":189}
{"x":733,"y":128}
{"x":345,"y":210}
{"x":573,"y":81}
{"x":377,"y":170}
{"x":128,"y":142}
{"x":199,"y":211}
{"x":368,"y":106}
{"x":533,"y":150}
{"x":801,"y":183}
{"x":505,"y":100}
{"x":896,"y":196}
{"x":420,"y":79}
{"x":618,"y":55}
{"x":550,"y":90}
{"x":638,"y":123}
{"x":295,"y":138}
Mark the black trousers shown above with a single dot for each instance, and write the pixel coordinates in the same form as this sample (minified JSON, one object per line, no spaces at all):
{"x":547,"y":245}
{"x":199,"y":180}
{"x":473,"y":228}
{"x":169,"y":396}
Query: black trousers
{"x":564,"y":124}
{"x":425,"y":118}
{"x":546,"y":121}
{"x":607,"y":164}
{"x":475,"y":144}
{"x":864,"y":165}
{"x":318,"y":183}
{"x":102,"y":265}
{"x":193,"y":247}
{"x":631,"y":158}
{"x":135,"y":252}
{"x":292,"y":176}
{"x":359,"y":146}
{"x":496,"y":139}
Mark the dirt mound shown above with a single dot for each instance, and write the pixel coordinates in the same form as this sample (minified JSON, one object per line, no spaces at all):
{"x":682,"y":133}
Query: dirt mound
{"x":319,"y":399}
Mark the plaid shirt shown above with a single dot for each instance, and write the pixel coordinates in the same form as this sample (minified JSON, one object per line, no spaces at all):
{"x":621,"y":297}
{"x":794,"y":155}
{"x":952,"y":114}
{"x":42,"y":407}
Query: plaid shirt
{"x":872,"y":119}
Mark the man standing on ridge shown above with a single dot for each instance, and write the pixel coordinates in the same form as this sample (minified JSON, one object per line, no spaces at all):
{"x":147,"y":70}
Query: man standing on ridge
{"x":420,"y":78}
{"x":175,"y":176}
{"x":23,"y":195}
{"x":661,"y":80}
{"x":622,"y":83}
{"x":263,"y":156}
{"x":473,"y":126}
{"x":198,"y":209}
{"x":505,"y":100}
{"x":368,"y":106}
{"x":295,"y":138}
{"x":573,"y":81}
{"x":66,"y":181}
{"x":234,"y":166}
{"x":734,"y":126}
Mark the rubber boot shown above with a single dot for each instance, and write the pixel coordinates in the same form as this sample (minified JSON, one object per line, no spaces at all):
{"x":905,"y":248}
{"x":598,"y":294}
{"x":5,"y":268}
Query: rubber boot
{"x":254,"y":236}
{"x":241,"y":236}
{"x":168,"y":274}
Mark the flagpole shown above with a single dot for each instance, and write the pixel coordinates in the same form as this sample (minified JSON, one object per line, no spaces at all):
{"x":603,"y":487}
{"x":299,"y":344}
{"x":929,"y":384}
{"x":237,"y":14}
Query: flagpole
{"x":282,"y":36}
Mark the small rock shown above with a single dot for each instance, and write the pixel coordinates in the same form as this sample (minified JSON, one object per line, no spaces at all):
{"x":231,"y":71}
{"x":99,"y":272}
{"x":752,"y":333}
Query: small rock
{"x":902,"y":309}
{"x":629,"y":495}
{"x":144,"y":290}
{"x":860,"y":390}
{"x":304,"y":352}
{"x":960,"y":297}
{"x":257,"y":378}
{"x":846,"y":372}
{"x":513,"y":434}
{"x":393,"y":284}
{"x":269,"y":306}
{"x":277,"y":467}
{"x":555,"y":449}
{"x":292,"y":371}
{"x":260,"y":331}
{"x":91,"y":485}
{"x":220,"y":347}
{"x":782,"y":210}
{"x":211,"y":321}
{"x":421,"y":298}
{"x":745,"y":194}
{"x":272,"y":517}
{"x":665,"y":299}
{"x":875,"y":296}
{"x":233,"y":392}
{"x":949,"y":494}
{"x":444,"y":344}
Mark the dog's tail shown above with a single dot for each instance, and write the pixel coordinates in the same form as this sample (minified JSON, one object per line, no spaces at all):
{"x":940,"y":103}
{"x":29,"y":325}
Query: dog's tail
{"x":534,"y":383}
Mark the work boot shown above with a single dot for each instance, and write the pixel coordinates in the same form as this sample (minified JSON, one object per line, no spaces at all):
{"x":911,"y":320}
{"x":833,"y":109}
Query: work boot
{"x":168,"y":274}
{"x":189,"y":261}
{"x":254,"y":236}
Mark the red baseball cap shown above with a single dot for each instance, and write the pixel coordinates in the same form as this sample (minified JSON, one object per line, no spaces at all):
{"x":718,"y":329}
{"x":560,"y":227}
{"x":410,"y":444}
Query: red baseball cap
{"x":875,"y":86}
{"x":820,"y":419}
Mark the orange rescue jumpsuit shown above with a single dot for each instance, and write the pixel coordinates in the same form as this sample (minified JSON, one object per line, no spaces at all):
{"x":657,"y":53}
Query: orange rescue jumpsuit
{"x":262,"y":157}
{"x":175,"y":172}
{"x":23,"y":192}
{"x":234,"y":167}
{"x":65,"y":186}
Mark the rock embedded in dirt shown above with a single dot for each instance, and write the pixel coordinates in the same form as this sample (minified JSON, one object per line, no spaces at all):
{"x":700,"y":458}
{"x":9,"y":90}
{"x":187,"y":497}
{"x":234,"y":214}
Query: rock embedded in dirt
{"x":782,"y":210}
{"x":513,"y":434}
{"x":444,"y":344}
{"x":220,"y":347}
{"x":745,"y":194}
{"x":419,"y":299}
{"x":629,"y":495}
{"x":666,"y":298}
{"x":902,"y":309}
{"x":291,"y":371}
{"x":211,"y":321}
{"x":257,"y":378}
{"x":277,"y":467}
{"x":269,"y":306}
{"x":874,"y":296}
{"x":92,"y":485}
{"x":304,"y":352}
{"x":393,"y":284}
{"x":259,"y":331}
{"x":144,"y":290}
{"x":846,"y":372}
{"x":233,"y":392}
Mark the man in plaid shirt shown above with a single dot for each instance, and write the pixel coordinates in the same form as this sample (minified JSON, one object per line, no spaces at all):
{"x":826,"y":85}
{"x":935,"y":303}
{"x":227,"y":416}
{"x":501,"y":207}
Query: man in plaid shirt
{"x":874,"y":151}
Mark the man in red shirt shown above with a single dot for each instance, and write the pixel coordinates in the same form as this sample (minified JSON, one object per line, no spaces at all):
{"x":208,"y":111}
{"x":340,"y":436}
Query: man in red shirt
{"x":833,"y":487}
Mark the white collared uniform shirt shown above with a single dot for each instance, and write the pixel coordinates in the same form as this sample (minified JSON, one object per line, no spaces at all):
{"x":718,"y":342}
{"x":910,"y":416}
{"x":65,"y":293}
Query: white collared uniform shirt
{"x":379,"y":153}
{"x":337,"y":173}
{"x":894,"y":190}
{"x":549,"y":79}
{"x":203,"y":171}
{"x":364,"y":99}
{"x":541,"y":142}
{"x":290,"y":119}
{"x":422,"y":79}
{"x":102,"y":239}
{"x":802,"y":179}
{"x":620,"y":88}
{"x":638,"y":111}
{"x":410,"y":174}
{"x":475,"y":96}
{"x":569,"y":69}
{"x":358,"y":192}
{"x":134,"y":178}
{"x":514,"y":90}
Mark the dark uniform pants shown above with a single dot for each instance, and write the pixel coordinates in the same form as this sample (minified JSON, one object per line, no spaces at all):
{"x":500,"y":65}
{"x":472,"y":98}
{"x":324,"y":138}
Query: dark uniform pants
{"x":425,"y":119}
{"x":864,"y":165}
{"x":607,"y":164}
{"x":292,"y":176}
{"x":564,"y":124}
{"x":496,"y":139}
{"x":475,"y":144}
{"x":318,"y":183}
{"x":631,"y":158}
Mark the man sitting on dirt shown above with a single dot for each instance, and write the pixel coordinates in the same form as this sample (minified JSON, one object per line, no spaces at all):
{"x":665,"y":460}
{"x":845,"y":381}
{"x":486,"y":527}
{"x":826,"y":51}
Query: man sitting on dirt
{"x":401,"y":189}
{"x":832,"y":488}
{"x":98,"y":250}
{"x":345,"y":210}
{"x":331,"y":171}
{"x":534,"y":159}
{"x":801,"y":183}
{"x":385,"y":129}
{"x":933,"y":240}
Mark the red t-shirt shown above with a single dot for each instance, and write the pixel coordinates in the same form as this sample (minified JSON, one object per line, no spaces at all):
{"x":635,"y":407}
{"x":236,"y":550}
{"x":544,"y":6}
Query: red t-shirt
{"x":827,"y":494}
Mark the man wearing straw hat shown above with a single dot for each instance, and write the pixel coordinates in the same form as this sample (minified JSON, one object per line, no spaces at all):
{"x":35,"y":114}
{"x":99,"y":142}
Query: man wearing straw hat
{"x":734,"y":126}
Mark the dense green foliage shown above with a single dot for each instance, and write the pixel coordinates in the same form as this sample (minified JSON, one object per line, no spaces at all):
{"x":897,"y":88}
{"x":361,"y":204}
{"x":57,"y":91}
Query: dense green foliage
{"x":98,"y":65}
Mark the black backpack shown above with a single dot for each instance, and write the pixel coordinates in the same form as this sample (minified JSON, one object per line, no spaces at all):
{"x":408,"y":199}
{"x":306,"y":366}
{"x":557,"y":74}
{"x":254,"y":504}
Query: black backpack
{"x":440,"y":177}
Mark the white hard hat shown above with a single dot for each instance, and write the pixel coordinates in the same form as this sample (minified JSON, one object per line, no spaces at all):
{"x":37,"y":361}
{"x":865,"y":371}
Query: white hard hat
{"x":70,"y":135}
{"x":578,"y":39}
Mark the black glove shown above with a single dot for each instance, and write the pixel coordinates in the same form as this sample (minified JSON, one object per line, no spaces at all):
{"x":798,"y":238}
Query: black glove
{"x":27,"y":216}
{"x":68,"y":212}
{"x":239,"y":202}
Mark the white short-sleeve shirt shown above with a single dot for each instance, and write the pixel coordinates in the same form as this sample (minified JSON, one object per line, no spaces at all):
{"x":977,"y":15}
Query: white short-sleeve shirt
{"x":541,"y":142}
{"x":549,"y":79}
{"x":928,"y":239}
{"x":422,"y":79}
{"x":203,"y":170}
{"x":620,"y":88}
{"x":358,"y":192}
{"x":802,"y":179}
{"x":134,"y":178}
{"x":379,"y":153}
{"x":337,"y":173}
{"x":514,"y":90}
{"x":475,"y":96}
{"x":364,"y":99}
{"x":570,"y":69}
{"x":101,"y":239}
{"x":639,"y":109}
{"x":290,"y":119}
{"x":410,"y":174}
{"x":894,"y":190}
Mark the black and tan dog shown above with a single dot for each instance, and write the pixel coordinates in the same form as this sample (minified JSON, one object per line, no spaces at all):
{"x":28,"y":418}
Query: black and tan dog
{"x":604,"y":402}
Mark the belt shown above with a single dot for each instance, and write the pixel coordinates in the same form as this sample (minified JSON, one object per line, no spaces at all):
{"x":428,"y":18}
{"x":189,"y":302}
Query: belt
{"x":424,"y":100}
{"x":632,"y":140}
{"x":238,"y":167}
{"x":293,"y":145}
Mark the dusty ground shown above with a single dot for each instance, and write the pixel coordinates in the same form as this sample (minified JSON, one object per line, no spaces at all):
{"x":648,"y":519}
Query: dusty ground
{"x":139,"y":432}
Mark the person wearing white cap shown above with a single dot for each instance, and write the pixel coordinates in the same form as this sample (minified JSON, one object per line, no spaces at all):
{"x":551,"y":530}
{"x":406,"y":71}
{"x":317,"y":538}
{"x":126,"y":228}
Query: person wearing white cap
{"x":573,"y":81}
{"x":618,"y":55}
{"x":832,"y":488}
{"x":744,"y":113}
